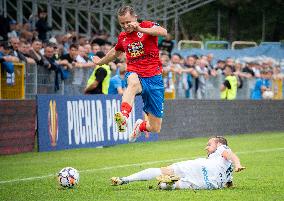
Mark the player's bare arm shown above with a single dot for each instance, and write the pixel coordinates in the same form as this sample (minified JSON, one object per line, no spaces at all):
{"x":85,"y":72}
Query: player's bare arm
{"x":235,"y":159}
{"x":154,"y":31}
{"x":110,"y":56}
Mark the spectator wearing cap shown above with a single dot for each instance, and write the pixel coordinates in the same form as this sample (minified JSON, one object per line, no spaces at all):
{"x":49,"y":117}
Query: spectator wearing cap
{"x":98,"y":82}
{"x":41,"y":26}
{"x":13,"y":29}
{"x":230,"y":86}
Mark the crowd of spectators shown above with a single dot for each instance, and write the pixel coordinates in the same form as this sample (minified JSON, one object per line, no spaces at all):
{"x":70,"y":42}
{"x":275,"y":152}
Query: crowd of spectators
{"x":192,"y":73}
{"x":68,"y":55}
{"x":71,"y":54}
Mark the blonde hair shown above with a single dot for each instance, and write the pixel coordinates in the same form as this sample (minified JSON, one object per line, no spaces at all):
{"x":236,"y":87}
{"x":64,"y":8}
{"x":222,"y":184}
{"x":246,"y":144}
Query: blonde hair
{"x":126,"y":9}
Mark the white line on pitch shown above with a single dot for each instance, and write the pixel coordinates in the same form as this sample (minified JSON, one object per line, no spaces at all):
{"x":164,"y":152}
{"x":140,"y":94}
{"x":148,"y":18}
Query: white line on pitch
{"x":134,"y":164}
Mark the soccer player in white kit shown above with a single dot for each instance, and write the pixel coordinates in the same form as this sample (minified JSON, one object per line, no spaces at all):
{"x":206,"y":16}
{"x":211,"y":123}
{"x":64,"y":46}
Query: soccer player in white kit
{"x":213,"y":172}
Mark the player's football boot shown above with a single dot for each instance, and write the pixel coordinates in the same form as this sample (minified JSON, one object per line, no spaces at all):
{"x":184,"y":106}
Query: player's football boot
{"x":167,"y":178}
{"x":120,"y":120}
{"x":116,"y":181}
{"x":165,"y":182}
{"x":136,"y":131}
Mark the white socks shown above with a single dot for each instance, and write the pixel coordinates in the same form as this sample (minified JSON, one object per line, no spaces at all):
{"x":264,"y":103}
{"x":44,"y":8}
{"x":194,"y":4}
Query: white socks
{"x":147,"y":174}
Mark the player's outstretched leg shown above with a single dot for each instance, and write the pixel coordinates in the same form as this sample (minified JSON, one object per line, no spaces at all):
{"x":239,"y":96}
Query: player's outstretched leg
{"x":134,"y":87}
{"x":144,"y":175}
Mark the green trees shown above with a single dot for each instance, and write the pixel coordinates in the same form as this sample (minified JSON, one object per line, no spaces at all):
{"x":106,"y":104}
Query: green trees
{"x":259,"y":20}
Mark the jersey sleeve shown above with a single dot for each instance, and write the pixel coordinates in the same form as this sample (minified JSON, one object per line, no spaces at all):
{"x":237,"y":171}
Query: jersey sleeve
{"x":148,"y":24}
{"x":223,"y":148}
{"x":118,"y":46}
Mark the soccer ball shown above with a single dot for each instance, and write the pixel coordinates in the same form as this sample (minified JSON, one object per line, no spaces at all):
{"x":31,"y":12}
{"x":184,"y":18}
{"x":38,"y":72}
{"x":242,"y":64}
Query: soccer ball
{"x":68,"y":177}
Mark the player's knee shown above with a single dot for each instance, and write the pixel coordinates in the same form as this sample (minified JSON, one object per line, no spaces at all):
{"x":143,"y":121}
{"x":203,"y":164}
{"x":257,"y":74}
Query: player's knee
{"x":156,"y":128}
{"x":135,"y":84}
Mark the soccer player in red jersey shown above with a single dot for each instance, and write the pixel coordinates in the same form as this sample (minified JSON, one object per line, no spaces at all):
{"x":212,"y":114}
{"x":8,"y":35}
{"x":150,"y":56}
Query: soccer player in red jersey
{"x":144,"y":71}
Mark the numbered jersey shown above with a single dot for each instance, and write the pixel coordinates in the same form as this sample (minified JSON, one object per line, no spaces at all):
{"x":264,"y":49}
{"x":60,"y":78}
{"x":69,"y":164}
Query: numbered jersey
{"x":141,"y":50}
{"x":223,"y":167}
{"x":206,"y":173}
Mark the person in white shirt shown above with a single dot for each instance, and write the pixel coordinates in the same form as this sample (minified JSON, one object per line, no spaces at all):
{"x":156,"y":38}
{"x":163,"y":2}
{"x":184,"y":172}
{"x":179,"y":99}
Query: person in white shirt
{"x":213,"y":172}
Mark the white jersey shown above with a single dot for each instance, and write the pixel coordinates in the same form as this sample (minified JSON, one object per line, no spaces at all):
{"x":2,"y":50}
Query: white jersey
{"x":206,"y":173}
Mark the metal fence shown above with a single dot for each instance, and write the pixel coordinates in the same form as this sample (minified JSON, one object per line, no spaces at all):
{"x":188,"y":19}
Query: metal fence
{"x":39,"y":80}
{"x":210,"y":91}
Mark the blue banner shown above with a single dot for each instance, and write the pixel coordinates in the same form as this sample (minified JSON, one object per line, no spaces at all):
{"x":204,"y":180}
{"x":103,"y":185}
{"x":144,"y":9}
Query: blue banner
{"x":67,"y":122}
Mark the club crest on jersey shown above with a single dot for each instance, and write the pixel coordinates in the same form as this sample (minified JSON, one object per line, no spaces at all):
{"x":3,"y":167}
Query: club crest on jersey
{"x":135,"y":49}
{"x":139,"y":34}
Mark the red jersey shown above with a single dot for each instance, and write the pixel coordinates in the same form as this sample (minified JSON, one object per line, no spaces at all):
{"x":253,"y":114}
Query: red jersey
{"x":142,"y":53}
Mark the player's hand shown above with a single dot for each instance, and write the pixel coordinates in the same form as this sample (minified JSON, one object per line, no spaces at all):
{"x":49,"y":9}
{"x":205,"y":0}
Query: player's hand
{"x":239,"y":168}
{"x":134,"y":25}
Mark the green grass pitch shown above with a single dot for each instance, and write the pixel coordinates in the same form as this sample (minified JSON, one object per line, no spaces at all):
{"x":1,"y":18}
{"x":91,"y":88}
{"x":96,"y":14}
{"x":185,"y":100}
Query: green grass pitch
{"x":31,"y":176}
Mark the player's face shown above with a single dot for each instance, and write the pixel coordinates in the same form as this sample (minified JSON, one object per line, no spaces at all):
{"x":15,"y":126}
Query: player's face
{"x":211,"y":146}
{"x":125,"y":21}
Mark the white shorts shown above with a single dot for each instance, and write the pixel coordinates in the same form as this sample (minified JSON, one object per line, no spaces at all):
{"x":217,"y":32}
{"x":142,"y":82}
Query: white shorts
{"x":191,"y":173}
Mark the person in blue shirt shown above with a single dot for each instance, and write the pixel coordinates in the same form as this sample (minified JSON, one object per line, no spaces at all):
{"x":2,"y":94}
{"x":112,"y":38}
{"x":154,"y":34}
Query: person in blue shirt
{"x":117,"y":82}
{"x":262,"y":84}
